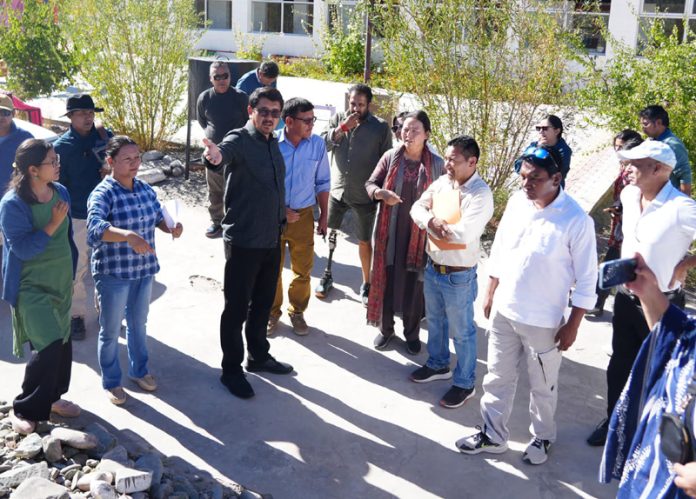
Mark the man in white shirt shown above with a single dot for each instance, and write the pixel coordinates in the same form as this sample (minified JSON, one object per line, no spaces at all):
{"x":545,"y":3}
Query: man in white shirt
{"x":659,"y":222}
{"x":544,"y":245}
{"x":450,"y":285}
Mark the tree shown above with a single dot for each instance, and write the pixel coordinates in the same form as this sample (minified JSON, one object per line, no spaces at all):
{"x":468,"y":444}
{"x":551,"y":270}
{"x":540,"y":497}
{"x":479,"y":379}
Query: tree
{"x":483,"y":68}
{"x":660,"y":71}
{"x":33,"y":47}
{"x":135,"y":54}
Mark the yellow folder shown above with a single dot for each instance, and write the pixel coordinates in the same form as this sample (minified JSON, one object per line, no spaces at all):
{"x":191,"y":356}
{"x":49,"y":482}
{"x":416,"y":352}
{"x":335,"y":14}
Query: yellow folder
{"x":446,"y":206}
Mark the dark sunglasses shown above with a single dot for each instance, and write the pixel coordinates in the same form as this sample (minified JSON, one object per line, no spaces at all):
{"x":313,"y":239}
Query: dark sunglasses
{"x":540,"y":153}
{"x":223,"y":76}
{"x":265,"y":112}
{"x":306,"y":121}
{"x":5,"y":112}
{"x":539,"y":128}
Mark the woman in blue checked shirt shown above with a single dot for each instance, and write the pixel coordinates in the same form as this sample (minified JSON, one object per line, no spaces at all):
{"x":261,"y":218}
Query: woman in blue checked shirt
{"x":122,"y":214}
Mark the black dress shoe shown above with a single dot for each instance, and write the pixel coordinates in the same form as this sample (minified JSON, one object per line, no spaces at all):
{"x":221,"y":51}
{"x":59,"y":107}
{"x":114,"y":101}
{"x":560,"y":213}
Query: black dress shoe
{"x":413,"y":347}
{"x":381,"y":341}
{"x":238,"y":385}
{"x":270,"y":365}
{"x":599,"y":435}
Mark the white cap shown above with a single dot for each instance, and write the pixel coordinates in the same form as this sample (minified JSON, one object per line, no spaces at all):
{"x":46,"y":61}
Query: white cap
{"x":659,"y":151}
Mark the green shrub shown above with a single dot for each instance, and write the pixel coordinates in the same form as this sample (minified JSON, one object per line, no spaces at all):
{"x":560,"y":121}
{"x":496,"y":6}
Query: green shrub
{"x":135,"y":54}
{"x":343,"y":51}
{"x":34,"y":49}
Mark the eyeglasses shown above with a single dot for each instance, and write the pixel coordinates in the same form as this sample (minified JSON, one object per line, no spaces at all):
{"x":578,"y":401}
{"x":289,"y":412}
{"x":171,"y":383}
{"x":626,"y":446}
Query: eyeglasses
{"x":55,"y":163}
{"x":540,"y":153}
{"x":223,"y":76}
{"x":5,"y":113}
{"x":306,"y":121}
{"x":396,"y":128}
{"x":544,"y":128}
{"x":265,"y":112}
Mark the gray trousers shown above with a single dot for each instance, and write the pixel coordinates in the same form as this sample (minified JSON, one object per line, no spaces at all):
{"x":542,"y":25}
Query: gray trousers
{"x":216,"y":191}
{"x":509,"y":342}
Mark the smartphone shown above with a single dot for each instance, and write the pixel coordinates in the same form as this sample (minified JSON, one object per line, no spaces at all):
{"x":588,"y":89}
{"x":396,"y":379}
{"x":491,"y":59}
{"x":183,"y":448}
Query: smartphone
{"x":615,"y":272}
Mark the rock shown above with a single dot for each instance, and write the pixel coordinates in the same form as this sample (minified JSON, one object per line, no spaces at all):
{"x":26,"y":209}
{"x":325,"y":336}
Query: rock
{"x":167,"y":169}
{"x":15,"y":476}
{"x":69,"y":452}
{"x":5,"y":491}
{"x":80,"y":459}
{"x":70,"y":469}
{"x":129,"y":480}
{"x":52,"y":448}
{"x":183,"y":486}
{"x":92,"y":463}
{"x":102,"y":490}
{"x":176,"y":163}
{"x":152,"y":463}
{"x":84,"y":482}
{"x":118,"y":454}
{"x":106,"y":440}
{"x":177,"y":171}
{"x":152,"y":156}
{"x":5,"y":408}
{"x":75,"y":479}
{"x":110,"y":466}
{"x":29,"y":447}
{"x":40,"y":488}
{"x":152,"y":175}
{"x":77,"y":439}
{"x":167,"y":159}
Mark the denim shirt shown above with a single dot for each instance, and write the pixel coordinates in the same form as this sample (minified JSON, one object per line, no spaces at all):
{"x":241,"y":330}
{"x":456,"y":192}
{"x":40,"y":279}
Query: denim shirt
{"x":254,"y":198}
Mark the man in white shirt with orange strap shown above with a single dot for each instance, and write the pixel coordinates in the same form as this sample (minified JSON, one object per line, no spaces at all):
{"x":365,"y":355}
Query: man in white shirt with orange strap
{"x":450,"y":285}
{"x":544,"y":245}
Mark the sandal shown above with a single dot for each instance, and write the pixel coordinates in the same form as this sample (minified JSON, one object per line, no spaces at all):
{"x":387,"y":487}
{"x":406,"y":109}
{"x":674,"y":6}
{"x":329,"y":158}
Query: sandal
{"x":21,"y":425}
{"x":65,"y":408}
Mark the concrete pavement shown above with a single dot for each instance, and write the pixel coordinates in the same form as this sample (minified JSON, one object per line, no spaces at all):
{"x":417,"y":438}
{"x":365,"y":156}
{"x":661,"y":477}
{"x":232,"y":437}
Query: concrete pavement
{"x":349,"y":423}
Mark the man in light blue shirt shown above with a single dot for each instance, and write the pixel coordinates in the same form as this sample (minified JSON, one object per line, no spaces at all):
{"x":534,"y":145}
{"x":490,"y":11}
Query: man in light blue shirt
{"x":307,"y":182}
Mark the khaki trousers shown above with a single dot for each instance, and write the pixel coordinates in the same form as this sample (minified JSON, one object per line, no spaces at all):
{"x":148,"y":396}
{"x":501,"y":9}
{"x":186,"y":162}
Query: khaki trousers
{"x":216,"y":192}
{"x":299,"y":237}
{"x":80,"y":301}
{"x":511,"y":343}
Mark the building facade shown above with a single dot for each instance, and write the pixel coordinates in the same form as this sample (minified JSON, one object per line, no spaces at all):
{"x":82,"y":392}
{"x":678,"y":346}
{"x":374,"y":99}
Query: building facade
{"x":293,"y":27}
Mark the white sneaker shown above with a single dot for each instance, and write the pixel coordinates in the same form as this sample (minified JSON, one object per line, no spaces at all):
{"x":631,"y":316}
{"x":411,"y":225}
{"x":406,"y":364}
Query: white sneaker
{"x":537,"y":452}
{"x":478,"y":443}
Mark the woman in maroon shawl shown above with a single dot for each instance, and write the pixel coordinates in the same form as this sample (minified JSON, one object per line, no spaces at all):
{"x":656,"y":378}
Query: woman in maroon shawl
{"x":399,"y":179}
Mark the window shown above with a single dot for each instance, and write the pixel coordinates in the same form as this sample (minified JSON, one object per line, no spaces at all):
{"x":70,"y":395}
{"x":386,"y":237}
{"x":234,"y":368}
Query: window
{"x":673,"y":13}
{"x":588,"y":17}
{"x":340,"y":14}
{"x":217,"y":12}
{"x":283,"y":16}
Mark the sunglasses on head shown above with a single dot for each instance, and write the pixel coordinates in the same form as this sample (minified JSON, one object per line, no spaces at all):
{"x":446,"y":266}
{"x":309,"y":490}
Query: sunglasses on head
{"x":221,"y":77}
{"x":265,"y":112}
{"x":540,"y":153}
{"x":5,"y":112}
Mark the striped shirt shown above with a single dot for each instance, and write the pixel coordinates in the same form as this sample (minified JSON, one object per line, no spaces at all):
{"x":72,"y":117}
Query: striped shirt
{"x":111,"y":204}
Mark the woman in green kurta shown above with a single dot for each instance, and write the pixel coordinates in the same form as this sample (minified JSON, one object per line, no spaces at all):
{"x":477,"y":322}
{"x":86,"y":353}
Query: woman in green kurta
{"x":38,"y":265}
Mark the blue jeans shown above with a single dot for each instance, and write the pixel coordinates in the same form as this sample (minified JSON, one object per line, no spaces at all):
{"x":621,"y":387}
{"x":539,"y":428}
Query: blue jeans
{"x":449,"y":308}
{"x":119,"y":297}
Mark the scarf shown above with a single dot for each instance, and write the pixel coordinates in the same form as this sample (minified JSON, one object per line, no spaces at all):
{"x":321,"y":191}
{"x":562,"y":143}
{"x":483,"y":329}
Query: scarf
{"x":415,"y":256}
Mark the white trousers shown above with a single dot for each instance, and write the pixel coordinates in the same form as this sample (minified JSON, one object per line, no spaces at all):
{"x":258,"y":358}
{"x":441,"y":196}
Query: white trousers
{"x":508,"y":343}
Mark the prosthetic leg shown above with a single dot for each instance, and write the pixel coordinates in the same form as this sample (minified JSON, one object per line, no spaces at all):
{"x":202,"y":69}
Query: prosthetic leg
{"x":326,"y":282}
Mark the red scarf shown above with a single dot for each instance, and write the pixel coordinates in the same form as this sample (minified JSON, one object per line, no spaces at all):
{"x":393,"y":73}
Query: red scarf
{"x":415,"y":257}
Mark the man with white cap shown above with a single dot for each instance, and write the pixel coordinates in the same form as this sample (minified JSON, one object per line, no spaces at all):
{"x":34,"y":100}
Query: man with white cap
{"x":82,"y":166}
{"x":659,"y":222}
{"x":10,"y":137}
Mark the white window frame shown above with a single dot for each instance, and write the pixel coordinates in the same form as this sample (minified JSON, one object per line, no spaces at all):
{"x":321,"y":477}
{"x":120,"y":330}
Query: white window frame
{"x":311,"y":4}
{"x":689,"y":14}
